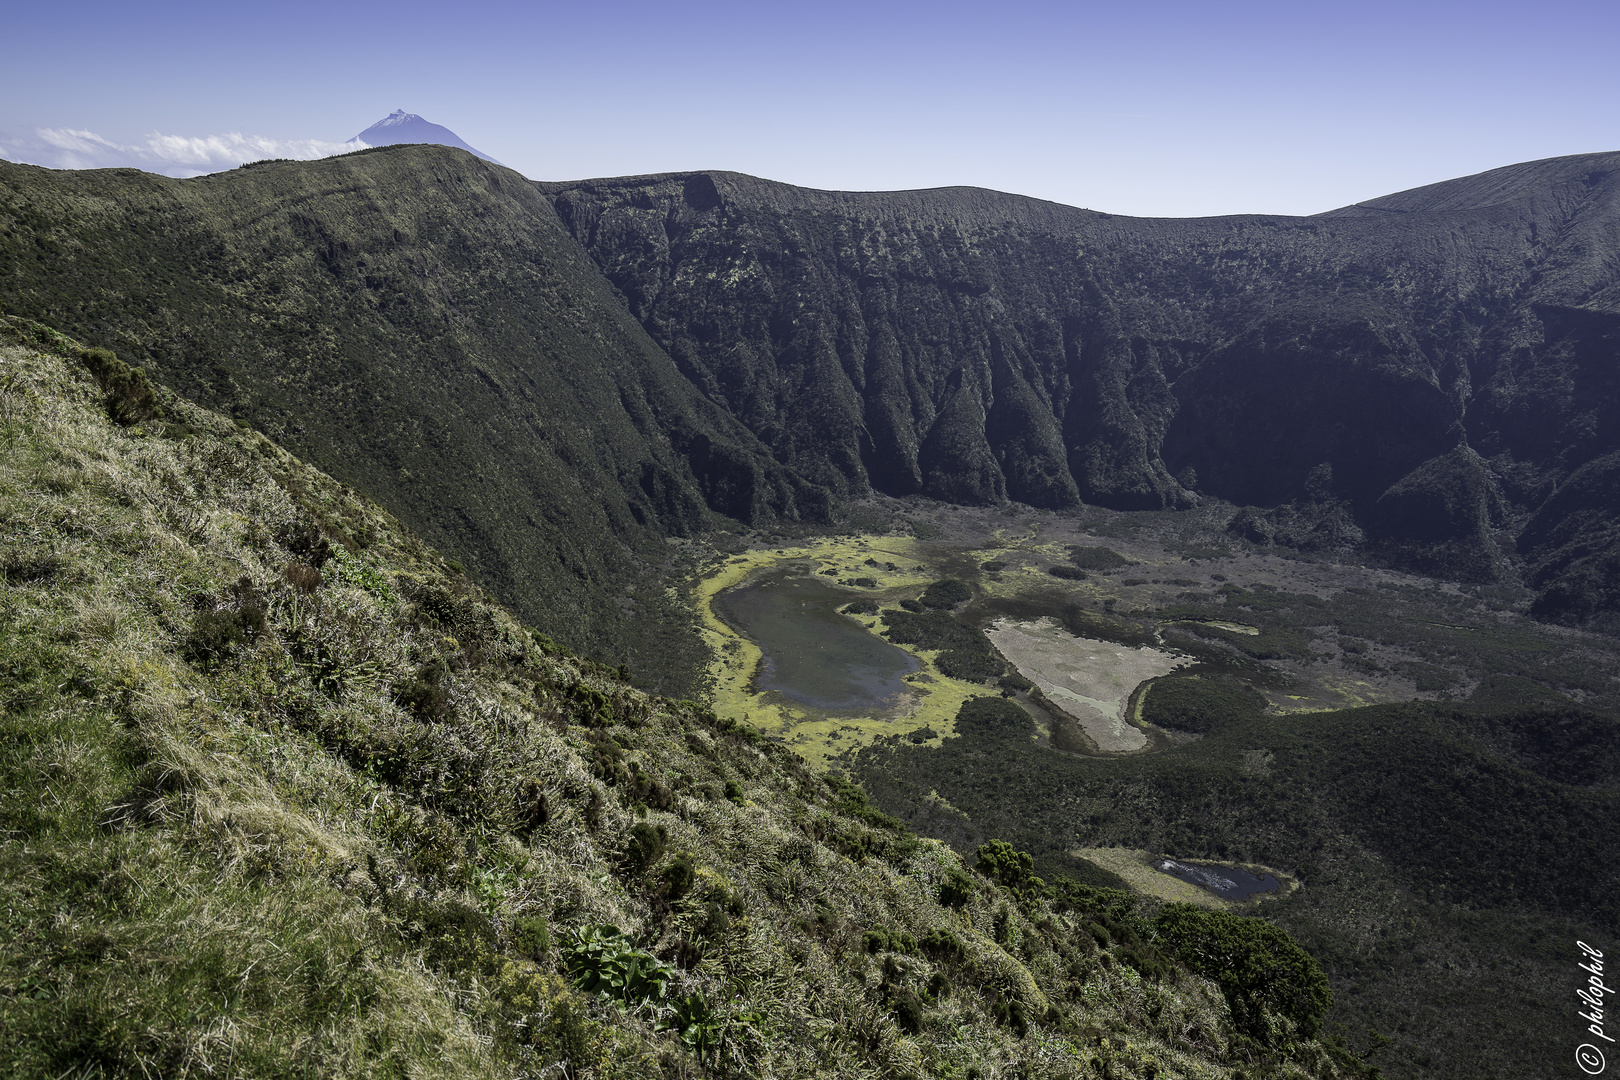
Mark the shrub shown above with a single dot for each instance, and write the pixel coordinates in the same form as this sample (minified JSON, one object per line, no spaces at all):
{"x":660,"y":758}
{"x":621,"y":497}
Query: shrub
{"x":1009,"y":1012}
{"x":965,"y":653}
{"x":426,"y":695}
{"x":1095,"y":557}
{"x":908,"y":1010}
{"x":881,"y":940}
{"x":1009,"y":867}
{"x":303,"y":578}
{"x":531,"y":809}
{"x":993,"y":716}
{"x":957,"y":888}
{"x":1201,"y":703}
{"x":942,"y":946}
{"x":1259,"y":968}
{"x":531,"y":936}
{"x":130,"y":398}
{"x":677,"y":879}
{"x":861,"y":607}
{"x":969,"y":665}
{"x":1014,"y":682}
{"x":223,"y":626}
{"x":1067,"y":573}
{"x":302,"y":537}
{"x":946,"y":593}
{"x":646,"y":846}
{"x":591,"y":707}
{"x":994,"y":566}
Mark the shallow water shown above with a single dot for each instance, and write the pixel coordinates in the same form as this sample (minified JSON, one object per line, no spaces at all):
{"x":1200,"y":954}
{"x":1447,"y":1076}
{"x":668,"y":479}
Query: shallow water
{"x":813,"y":655}
{"x":1227,"y":882}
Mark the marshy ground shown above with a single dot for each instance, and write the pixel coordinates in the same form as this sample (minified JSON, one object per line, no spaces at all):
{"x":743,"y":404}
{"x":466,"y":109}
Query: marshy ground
{"x":1165,"y":593}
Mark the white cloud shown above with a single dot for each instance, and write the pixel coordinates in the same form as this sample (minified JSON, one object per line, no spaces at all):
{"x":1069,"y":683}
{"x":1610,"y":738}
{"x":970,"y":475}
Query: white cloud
{"x":175,"y":155}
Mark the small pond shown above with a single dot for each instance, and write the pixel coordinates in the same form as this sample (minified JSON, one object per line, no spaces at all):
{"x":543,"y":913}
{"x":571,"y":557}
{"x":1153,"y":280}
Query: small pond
{"x":814,"y":655}
{"x":1227,"y":882}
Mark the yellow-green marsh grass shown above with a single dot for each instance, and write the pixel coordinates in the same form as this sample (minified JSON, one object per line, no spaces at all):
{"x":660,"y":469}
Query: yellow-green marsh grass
{"x":821,"y":735}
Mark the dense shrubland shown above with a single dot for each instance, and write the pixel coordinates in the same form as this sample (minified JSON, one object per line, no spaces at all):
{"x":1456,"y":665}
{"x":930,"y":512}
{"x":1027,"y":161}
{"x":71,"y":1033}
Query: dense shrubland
{"x":1429,"y":836}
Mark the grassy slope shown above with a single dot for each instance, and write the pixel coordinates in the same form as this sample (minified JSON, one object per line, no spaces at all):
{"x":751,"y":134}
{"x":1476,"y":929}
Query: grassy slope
{"x":249,"y":859}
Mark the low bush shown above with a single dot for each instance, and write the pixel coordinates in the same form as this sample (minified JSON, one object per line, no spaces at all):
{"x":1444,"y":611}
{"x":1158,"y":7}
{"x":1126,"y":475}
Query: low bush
{"x":130,"y":398}
{"x":1096,"y":557}
{"x":426,"y":695}
{"x":1259,"y":968}
{"x":946,"y":594}
{"x":224,"y":625}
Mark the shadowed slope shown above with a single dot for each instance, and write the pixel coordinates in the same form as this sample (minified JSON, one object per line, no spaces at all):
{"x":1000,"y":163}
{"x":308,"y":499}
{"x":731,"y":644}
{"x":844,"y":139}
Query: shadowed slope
{"x":978,"y":346}
{"x":417,"y":321}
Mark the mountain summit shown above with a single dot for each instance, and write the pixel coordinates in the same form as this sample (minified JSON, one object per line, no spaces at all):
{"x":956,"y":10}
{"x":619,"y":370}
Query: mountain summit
{"x":400,"y":126}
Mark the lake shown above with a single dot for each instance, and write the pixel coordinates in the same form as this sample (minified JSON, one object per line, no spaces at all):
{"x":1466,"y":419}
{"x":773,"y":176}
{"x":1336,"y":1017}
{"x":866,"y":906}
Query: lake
{"x":1227,"y":882}
{"x":813,"y":655}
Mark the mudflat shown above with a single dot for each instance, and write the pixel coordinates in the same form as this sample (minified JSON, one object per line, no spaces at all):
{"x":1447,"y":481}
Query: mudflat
{"x":1090,"y":680}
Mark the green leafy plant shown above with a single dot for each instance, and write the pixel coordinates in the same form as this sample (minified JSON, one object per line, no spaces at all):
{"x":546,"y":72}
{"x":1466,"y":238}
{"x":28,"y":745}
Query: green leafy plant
{"x":602,"y":960}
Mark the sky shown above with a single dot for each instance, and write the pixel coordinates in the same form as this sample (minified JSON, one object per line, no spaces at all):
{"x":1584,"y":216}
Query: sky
{"x":1154,"y":108}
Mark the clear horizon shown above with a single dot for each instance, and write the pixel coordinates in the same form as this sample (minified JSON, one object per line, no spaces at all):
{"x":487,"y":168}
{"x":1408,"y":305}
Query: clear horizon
{"x":1172,"y":109}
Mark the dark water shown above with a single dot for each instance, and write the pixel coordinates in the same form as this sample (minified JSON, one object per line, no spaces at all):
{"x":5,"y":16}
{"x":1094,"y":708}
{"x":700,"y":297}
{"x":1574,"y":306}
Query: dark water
{"x":1227,"y":882}
{"x":813,"y":655}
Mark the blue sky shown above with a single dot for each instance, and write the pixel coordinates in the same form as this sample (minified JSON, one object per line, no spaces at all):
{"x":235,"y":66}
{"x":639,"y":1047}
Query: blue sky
{"x":1166,"y":108}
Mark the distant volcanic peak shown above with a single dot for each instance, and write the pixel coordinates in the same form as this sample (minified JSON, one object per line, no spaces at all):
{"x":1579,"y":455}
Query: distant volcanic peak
{"x":400,"y":126}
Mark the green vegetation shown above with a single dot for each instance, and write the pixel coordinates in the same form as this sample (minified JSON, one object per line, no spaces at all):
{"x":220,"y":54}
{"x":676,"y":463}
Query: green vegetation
{"x":1388,"y":909}
{"x":946,"y":594}
{"x":1265,"y":976}
{"x":502,"y":404}
{"x":1200,"y":703}
{"x":1067,"y":573}
{"x":355,"y":798}
{"x":269,"y":818}
{"x":1251,"y":359}
{"x":1096,"y":557}
{"x":1437,"y":638}
{"x":965,"y":653}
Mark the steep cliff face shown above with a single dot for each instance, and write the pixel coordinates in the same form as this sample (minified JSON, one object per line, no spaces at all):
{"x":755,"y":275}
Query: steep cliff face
{"x":978,"y":347}
{"x":524,"y":371}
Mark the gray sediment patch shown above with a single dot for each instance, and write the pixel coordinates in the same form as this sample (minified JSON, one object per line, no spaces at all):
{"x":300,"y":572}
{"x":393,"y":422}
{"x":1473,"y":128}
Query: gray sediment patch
{"x":1090,"y":680}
